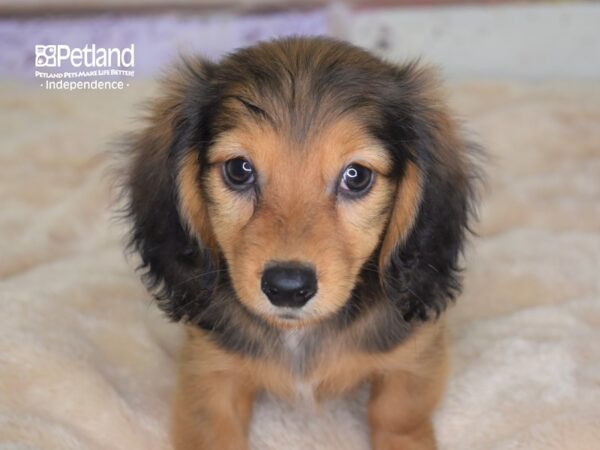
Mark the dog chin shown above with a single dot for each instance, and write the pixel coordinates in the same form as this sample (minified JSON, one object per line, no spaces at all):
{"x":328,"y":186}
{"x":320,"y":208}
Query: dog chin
{"x":288,"y":318}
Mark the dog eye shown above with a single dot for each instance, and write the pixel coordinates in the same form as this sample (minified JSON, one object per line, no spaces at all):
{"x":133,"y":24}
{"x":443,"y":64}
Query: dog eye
{"x":238,"y":172}
{"x":356,"y":179}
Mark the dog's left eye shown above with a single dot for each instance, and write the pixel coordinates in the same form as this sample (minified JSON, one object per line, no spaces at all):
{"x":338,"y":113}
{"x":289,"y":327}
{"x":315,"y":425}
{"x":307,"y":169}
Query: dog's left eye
{"x":356,"y":179}
{"x":238,"y":172}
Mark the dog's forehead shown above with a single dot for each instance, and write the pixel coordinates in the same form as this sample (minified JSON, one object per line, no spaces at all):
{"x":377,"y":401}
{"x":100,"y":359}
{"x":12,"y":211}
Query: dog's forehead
{"x":299,"y":88}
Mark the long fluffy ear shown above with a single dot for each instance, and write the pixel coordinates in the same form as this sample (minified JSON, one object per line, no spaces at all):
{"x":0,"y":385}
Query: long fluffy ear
{"x":178,"y":267}
{"x":435,"y":196}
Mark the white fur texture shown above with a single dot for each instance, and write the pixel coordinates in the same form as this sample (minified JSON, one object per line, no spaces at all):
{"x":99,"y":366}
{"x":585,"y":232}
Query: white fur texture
{"x":86,"y":362}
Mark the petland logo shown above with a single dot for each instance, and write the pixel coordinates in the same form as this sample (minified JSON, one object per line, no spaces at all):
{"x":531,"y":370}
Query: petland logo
{"x":89,"y":56}
{"x":90,"y":62}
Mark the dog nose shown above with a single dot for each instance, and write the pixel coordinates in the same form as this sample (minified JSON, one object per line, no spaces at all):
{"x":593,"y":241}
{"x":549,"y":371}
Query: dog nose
{"x":289,"y":284}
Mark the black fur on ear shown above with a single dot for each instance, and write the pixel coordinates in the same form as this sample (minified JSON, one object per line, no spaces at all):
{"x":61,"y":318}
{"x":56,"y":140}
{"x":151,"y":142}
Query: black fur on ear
{"x":421,"y":272}
{"x":177,"y":266}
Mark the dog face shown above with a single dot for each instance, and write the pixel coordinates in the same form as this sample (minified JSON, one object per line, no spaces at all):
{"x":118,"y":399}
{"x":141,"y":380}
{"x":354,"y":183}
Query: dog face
{"x":295,"y":219}
{"x":305,"y":179}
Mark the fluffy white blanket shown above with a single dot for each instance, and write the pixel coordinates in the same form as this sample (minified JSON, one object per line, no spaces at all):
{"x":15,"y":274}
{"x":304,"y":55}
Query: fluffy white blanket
{"x":86,"y":361}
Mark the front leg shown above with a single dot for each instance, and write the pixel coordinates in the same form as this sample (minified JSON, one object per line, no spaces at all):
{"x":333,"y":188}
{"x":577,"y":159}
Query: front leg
{"x":402,"y":402}
{"x":213,"y":400}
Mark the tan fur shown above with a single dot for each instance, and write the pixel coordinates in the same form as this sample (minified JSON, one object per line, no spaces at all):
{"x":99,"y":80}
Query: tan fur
{"x":300,"y":128}
{"x":342,"y":368}
{"x":299,"y":218}
{"x":192,"y":205}
{"x":213,"y":401}
{"x":402,"y":402}
{"x":405,"y":209}
{"x":212,"y":406}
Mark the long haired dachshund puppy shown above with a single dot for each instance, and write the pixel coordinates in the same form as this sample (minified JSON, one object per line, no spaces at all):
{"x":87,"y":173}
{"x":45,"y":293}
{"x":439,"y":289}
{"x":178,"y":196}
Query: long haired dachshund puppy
{"x":301,"y":206}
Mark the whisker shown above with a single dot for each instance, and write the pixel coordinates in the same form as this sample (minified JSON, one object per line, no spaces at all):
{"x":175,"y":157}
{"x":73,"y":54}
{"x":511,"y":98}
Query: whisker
{"x":197,"y":276}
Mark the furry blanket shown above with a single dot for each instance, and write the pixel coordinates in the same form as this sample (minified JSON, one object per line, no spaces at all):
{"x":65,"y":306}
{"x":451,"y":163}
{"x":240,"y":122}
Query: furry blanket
{"x":87,"y":362}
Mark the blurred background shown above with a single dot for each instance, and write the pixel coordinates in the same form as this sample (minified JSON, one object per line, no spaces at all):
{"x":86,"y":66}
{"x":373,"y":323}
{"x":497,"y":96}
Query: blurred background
{"x":486,"y":38}
{"x":88,"y":362}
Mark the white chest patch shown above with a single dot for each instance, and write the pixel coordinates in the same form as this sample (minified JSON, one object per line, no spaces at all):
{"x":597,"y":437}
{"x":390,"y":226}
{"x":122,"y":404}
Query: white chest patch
{"x":296,"y":351}
{"x":305,"y":393}
{"x":292,"y":340}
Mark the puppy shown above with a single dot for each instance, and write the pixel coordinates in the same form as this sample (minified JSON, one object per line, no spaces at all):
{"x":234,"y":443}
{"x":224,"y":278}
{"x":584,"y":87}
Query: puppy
{"x":301,"y":206}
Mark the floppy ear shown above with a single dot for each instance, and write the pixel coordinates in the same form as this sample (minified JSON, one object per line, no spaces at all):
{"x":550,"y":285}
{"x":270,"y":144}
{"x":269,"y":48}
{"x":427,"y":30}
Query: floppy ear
{"x":178,"y":267}
{"x":434,"y":200}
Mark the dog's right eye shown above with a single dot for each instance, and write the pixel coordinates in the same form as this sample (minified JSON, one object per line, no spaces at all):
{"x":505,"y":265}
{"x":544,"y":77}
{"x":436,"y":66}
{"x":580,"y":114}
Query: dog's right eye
{"x":238,"y":172}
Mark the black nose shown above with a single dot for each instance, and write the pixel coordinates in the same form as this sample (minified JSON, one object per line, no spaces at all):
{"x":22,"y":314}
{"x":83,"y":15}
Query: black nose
{"x":289,"y":284}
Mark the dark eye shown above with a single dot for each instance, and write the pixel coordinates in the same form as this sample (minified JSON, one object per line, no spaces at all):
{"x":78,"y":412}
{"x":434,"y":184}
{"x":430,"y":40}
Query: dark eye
{"x":238,"y":172}
{"x":356,"y":179}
